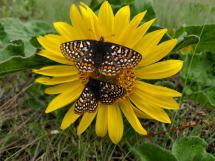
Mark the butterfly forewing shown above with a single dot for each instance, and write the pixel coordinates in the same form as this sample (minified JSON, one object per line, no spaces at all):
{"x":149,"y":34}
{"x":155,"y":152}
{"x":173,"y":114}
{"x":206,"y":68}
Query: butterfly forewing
{"x":86,"y":102}
{"x":81,"y":53}
{"x":118,"y":57}
{"x":108,"y":58}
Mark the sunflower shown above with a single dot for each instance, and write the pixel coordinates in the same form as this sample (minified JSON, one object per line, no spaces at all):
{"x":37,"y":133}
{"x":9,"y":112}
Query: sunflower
{"x":142,"y":100}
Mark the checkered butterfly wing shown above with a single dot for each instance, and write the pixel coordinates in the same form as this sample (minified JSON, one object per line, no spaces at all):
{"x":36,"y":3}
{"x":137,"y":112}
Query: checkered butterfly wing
{"x":86,"y":102}
{"x":81,"y":52}
{"x":110,"y":92}
{"x":118,"y":57}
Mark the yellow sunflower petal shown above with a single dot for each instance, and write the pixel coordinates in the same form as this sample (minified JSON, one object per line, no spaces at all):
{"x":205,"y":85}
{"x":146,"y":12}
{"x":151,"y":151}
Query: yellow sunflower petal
{"x":69,"y":118}
{"x":61,"y":87}
{"x":160,"y":70}
{"x":141,"y":114}
{"x":52,"y":43}
{"x":91,"y":22}
{"x":137,"y":19}
{"x":57,"y":58}
{"x":56,"y":80}
{"x":75,"y":16}
{"x":57,"y":70}
{"x":134,"y":38}
{"x":115,"y":123}
{"x":154,"y":112}
{"x":86,"y":120}
{"x":77,"y":19}
{"x":158,"y":52}
{"x":101,"y":120}
{"x":159,"y":101}
{"x":64,"y":98}
{"x":106,"y":20}
{"x":124,"y":38}
{"x":129,"y":113}
{"x":149,"y":41}
{"x":67,"y":31}
{"x":121,"y":20}
{"x":156,"y":90}
{"x":144,"y":27}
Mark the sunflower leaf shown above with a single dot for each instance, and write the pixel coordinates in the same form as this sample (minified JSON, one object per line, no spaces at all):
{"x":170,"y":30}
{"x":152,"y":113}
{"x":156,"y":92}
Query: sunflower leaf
{"x":14,"y":48}
{"x":18,"y":44}
{"x":199,"y":69}
{"x":191,"y":149}
{"x":151,"y":152}
{"x":140,"y":6}
{"x":13,"y":29}
{"x":185,"y":41}
{"x":205,"y":33}
{"x":183,"y":149}
{"x":2,"y":32}
{"x":199,"y":74}
{"x":19,"y":63}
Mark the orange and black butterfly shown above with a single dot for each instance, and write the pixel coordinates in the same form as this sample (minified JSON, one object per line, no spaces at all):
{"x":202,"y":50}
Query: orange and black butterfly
{"x":108,"y":58}
{"x":96,"y":91}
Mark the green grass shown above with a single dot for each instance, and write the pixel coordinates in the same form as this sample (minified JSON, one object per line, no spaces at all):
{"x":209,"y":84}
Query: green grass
{"x":30,"y":134}
{"x":177,"y":13}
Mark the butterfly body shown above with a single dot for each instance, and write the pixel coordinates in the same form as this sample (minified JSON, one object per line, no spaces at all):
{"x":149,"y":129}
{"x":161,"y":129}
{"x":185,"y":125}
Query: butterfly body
{"x":97,"y":91}
{"x":108,"y":58}
{"x":99,"y":51}
{"x":94,"y":87}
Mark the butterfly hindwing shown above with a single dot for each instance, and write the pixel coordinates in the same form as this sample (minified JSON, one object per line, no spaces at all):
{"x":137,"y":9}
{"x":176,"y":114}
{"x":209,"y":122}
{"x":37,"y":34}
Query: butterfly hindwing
{"x":110,"y":92}
{"x":81,"y":52}
{"x":86,"y":102}
{"x":96,"y":91}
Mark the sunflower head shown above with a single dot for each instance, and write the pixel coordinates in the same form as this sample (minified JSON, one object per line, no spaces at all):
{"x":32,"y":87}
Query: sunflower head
{"x":103,"y":61}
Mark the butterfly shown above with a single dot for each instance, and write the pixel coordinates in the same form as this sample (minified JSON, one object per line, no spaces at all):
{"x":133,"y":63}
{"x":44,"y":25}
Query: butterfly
{"x":96,"y":91}
{"x":106,"y":57}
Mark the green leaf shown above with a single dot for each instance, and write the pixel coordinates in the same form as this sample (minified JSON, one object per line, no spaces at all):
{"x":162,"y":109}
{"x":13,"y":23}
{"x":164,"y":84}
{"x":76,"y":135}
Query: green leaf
{"x":205,"y":33}
{"x":19,"y":63}
{"x":185,"y":41}
{"x":207,"y":157}
{"x":2,"y":32}
{"x":18,"y":44}
{"x":199,"y":68}
{"x":95,"y":4}
{"x":191,"y":149}
{"x":142,"y":5}
{"x":14,"y":48}
{"x":204,"y":96}
{"x":199,"y":74}
{"x":151,"y":152}
{"x":14,"y":30}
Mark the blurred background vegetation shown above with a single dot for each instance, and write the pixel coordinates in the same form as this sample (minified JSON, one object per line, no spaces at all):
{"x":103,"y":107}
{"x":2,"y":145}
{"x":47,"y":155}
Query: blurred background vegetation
{"x":169,"y":13}
{"x":26,"y":133}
